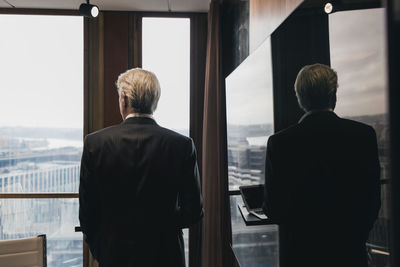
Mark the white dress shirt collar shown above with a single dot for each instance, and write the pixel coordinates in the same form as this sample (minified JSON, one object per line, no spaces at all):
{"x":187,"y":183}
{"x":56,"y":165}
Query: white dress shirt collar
{"x":140,"y":115}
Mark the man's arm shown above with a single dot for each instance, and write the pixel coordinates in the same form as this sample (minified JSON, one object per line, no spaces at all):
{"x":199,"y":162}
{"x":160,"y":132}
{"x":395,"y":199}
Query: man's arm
{"x":87,"y":199}
{"x":190,"y":208}
{"x":268,"y":182}
{"x":272,"y":205}
{"x":374,"y":186}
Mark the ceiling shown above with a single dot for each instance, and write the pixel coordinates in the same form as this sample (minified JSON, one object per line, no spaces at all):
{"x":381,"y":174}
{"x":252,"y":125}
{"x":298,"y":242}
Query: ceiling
{"x":122,"y":5}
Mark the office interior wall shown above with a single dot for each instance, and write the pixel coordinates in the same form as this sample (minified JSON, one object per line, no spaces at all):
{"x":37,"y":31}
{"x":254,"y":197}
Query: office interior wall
{"x":107,"y":55}
{"x":266,"y":16}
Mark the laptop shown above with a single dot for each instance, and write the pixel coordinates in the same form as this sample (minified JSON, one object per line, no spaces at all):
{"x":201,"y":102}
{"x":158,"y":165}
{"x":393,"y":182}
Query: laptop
{"x":253,"y":198}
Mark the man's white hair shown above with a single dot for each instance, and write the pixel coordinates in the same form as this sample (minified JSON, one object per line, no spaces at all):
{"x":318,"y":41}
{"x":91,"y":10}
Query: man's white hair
{"x":142,"y":89}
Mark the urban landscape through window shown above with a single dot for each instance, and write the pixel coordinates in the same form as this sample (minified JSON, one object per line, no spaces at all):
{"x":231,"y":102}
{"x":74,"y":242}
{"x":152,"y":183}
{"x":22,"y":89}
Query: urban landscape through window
{"x":41,"y":130}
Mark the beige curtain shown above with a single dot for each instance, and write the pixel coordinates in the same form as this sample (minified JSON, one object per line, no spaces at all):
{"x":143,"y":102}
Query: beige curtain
{"x":217,"y":233}
{"x":198,"y":45}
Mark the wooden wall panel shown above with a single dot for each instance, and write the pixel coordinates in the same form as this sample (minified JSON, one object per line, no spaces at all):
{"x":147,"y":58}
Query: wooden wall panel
{"x":266,"y":16}
{"x":94,"y":74}
{"x":116,"y":59}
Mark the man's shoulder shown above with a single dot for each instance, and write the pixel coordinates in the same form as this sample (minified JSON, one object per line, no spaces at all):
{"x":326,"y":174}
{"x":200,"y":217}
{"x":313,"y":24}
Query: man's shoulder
{"x":173,"y":136}
{"x":102,"y":133}
{"x":154,"y":131}
{"x":172,"y":133}
{"x":356,"y":125}
{"x":285,"y":133}
{"x":344,"y":125}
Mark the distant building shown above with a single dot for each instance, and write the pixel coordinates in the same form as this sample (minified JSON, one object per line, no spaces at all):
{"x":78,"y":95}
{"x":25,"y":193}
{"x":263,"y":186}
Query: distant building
{"x":51,"y":177}
{"x":43,"y":171}
{"x":246,"y":165}
{"x":54,"y":177}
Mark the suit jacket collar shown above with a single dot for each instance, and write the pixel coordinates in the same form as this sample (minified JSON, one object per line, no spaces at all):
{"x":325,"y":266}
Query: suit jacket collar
{"x":139,"y":120}
{"x":318,"y":115}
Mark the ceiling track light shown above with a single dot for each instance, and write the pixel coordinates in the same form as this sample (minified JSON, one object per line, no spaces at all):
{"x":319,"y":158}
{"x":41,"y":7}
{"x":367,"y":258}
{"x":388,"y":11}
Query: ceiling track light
{"x":88,"y":10}
{"x":332,"y":6}
{"x":328,"y":8}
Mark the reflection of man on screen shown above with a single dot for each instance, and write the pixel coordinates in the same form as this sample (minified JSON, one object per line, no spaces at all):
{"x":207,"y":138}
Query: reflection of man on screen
{"x":322,"y":179}
{"x":139,"y":183}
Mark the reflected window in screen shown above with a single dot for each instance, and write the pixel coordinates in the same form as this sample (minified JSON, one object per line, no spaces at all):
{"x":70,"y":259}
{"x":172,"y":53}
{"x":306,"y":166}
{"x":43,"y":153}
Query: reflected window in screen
{"x":166,"y":53}
{"x":357,"y":42}
{"x":250,"y":117}
{"x":41,"y":130}
{"x":250,"y":122}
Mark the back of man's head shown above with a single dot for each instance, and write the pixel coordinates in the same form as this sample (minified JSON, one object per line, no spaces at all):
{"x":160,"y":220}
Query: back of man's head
{"x":141,"y":88}
{"x":316,"y":87}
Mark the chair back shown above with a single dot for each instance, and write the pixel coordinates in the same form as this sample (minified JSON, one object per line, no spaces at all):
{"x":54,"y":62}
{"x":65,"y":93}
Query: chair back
{"x":24,"y":252}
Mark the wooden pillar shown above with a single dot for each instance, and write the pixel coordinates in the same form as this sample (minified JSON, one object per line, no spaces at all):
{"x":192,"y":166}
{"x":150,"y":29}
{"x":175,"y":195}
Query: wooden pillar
{"x":116,"y":58}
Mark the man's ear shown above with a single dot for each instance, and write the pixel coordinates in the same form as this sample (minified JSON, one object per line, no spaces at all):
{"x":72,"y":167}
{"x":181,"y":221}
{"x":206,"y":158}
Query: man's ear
{"x":124,"y":99}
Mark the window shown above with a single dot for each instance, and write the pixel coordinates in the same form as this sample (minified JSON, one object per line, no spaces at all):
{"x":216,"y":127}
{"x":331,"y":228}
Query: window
{"x":41,"y":130}
{"x":166,"y":52}
{"x":358,"y":56}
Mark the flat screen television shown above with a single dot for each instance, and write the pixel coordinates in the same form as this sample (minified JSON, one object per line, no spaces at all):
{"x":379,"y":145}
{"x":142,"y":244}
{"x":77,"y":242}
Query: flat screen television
{"x":250,"y":118}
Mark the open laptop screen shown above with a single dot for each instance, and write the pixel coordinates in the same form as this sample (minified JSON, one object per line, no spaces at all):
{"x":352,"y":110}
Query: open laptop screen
{"x":253,"y":196}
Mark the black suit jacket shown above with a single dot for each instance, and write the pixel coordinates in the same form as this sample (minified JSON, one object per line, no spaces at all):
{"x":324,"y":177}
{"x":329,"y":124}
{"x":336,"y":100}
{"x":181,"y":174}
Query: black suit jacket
{"x":139,"y":187}
{"x":322,"y":187}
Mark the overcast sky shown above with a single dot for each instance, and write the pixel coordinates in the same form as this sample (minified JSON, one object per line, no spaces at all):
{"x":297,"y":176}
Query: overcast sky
{"x":166,"y":52}
{"x":41,"y":71}
{"x":249,"y":89}
{"x":357,"y":43}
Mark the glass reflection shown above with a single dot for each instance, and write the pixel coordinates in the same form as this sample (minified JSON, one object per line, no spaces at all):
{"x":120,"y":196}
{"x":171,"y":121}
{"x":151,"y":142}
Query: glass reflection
{"x":249,"y":117}
{"x":358,"y":55}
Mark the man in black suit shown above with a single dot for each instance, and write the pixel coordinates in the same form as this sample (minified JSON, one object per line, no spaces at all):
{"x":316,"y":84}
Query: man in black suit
{"x":139,"y":183}
{"x":322,"y":179}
